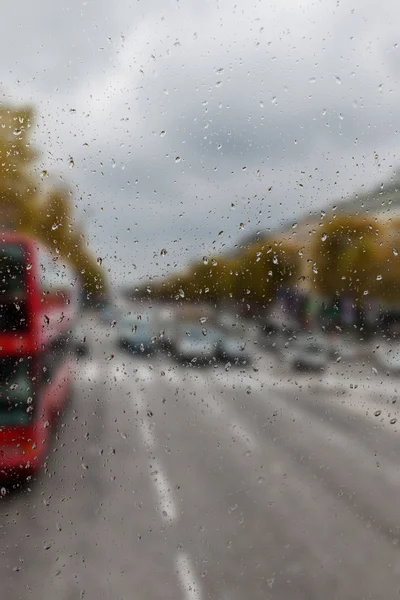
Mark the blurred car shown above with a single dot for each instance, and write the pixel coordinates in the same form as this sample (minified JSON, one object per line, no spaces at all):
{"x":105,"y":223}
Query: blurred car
{"x":136,"y":336}
{"x":344,"y":347}
{"x":269,"y":338}
{"x":233,"y":349}
{"x":195,"y":344}
{"x":307,"y":353}
{"x":387,"y":356}
{"x":79,"y":341}
{"x":109,"y":314}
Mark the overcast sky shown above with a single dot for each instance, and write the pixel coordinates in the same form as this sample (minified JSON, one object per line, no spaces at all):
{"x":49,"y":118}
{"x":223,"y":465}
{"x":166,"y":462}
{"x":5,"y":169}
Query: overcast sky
{"x":187,"y":118}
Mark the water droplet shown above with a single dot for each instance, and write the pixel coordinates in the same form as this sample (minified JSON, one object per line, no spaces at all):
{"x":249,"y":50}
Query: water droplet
{"x":395,"y":252}
{"x":261,"y":104}
{"x":241,"y":226}
{"x":218,"y":84}
{"x":178,"y":159}
{"x":202,"y":320}
{"x":214,"y":262}
{"x":312,"y":80}
{"x":28,"y":266}
{"x":205,"y":260}
{"x":71,"y":162}
{"x":274,"y":100}
{"x":377,"y":413}
{"x":324,"y":237}
{"x":338,"y":80}
{"x":99,"y":260}
{"x":379,"y":277}
{"x":341,"y":116}
{"x":393,"y":421}
{"x":162,"y":133}
{"x":163,"y":252}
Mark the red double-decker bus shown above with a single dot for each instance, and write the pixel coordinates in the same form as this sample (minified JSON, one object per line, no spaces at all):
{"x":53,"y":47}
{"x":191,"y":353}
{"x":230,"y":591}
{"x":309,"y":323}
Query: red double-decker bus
{"x":38,"y":301}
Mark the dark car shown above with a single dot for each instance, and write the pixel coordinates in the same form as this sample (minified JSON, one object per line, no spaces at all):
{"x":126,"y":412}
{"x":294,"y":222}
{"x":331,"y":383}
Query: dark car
{"x":79,"y":341}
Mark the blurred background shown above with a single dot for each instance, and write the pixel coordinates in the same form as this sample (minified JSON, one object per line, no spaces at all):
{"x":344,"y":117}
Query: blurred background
{"x":199,"y":384}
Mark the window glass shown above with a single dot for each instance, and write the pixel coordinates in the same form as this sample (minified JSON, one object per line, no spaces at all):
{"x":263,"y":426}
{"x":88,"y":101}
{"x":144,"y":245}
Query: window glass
{"x":199,"y":300}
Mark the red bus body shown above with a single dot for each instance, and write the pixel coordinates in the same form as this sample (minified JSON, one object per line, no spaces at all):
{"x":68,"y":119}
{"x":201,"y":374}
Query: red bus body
{"x":49,"y":318}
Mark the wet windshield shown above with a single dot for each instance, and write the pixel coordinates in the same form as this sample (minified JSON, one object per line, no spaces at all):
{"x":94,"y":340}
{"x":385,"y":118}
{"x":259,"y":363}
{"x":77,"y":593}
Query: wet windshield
{"x":200,"y":300}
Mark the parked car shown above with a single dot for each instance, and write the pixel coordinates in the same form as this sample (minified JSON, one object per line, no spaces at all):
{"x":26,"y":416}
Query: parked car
{"x":307,"y":353}
{"x":109,"y":314}
{"x":233,"y":349}
{"x":344,"y":347}
{"x":196,"y":344}
{"x":269,"y":338}
{"x":136,"y":336}
{"x":79,"y":341}
{"x":387,"y":356}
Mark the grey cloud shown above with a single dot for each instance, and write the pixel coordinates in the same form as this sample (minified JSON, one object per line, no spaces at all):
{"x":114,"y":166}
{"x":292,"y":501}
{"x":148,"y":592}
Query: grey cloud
{"x":297,"y":94}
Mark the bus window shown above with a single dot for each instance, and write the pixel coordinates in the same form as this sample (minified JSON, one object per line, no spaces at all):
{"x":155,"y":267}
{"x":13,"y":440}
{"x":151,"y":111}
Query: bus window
{"x":13,"y":265}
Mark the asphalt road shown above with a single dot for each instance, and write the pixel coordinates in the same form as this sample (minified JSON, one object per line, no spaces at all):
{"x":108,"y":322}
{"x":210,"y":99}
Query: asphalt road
{"x":172,"y":483}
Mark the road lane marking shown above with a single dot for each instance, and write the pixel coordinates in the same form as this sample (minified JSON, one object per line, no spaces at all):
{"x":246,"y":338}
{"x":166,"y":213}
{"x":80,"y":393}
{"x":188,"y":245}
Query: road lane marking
{"x":138,"y":402}
{"x":147,"y":435}
{"x":173,"y":377}
{"x":119,"y":373}
{"x":166,"y":500}
{"x":355,"y":401}
{"x":242,"y":433}
{"x":89,"y":371}
{"x":144,"y":374}
{"x":187,"y":577}
{"x":219,"y":407}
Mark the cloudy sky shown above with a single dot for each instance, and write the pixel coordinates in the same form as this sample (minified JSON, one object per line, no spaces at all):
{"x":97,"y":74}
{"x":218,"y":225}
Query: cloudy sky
{"x":176,"y":120}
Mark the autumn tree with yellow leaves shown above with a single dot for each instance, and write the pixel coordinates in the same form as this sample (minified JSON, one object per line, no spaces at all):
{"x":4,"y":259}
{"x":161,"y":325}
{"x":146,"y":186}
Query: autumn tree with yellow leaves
{"x":27,"y":207}
{"x":253,"y":275}
{"x":347,"y":256}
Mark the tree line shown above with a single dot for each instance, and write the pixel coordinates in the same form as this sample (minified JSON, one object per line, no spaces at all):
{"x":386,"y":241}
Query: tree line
{"x":30,"y":206}
{"x":346,"y":254}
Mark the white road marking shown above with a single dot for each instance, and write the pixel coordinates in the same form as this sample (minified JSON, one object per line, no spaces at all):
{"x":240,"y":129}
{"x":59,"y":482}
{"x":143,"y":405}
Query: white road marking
{"x":187,"y":577}
{"x":173,"y":377}
{"x":89,"y":370}
{"x":165,"y":495}
{"x":138,"y":402}
{"x":147,"y":434}
{"x":119,"y":372}
{"x":144,"y":374}
{"x":217,"y":407}
{"x":329,"y":382}
{"x":240,"y":432}
{"x":358,"y":400}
